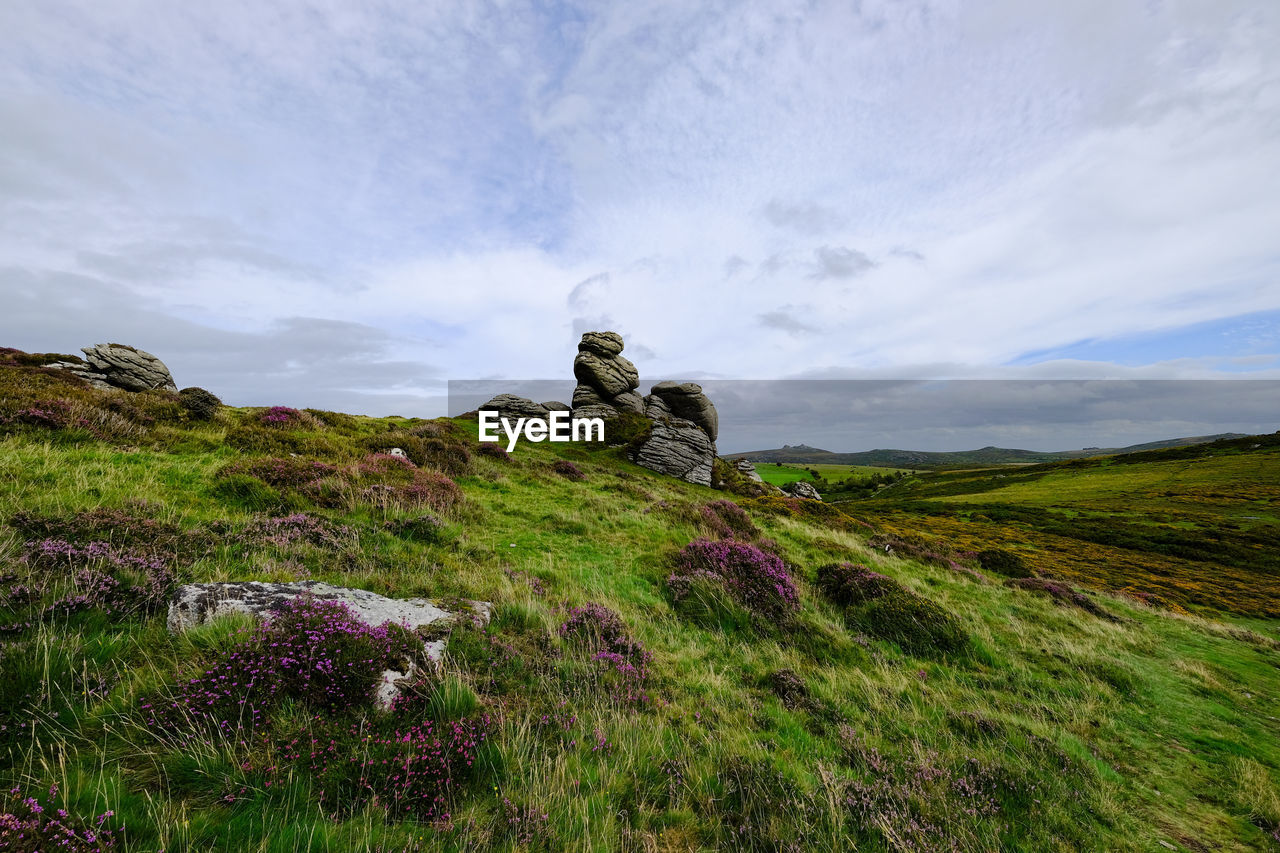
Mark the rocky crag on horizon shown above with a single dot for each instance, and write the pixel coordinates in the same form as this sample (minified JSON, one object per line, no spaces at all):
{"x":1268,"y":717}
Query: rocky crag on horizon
{"x":680,"y":438}
{"x":118,"y":366}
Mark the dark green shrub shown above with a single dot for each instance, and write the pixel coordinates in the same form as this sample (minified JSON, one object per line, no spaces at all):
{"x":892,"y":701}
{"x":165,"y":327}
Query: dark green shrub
{"x":246,"y":492}
{"x":915,"y":623}
{"x":883,"y":608}
{"x":199,"y":404}
{"x":568,"y":470}
{"x":846,"y":584}
{"x":789,"y":687}
{"x":448,"y":455}
{"x":630,"y":428}
{"x":425,"y":528}
{"x":493,"y":451}
{"x":1005,"y":563}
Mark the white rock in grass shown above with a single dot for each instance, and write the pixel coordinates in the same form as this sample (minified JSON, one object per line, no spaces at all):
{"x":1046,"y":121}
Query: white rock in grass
{"x":197,"y":603}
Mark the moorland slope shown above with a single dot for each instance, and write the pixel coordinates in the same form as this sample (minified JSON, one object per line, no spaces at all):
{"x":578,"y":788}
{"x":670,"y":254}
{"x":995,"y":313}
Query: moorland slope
{"x":668,"y":667}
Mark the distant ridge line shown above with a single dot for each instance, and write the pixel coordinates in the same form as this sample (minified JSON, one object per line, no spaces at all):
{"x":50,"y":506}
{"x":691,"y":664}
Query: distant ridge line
{"x":803,"y":454}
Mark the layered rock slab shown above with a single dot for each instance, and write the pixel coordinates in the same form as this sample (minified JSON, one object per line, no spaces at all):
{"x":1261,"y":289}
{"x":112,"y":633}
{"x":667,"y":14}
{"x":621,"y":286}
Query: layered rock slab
{"x":117,"y":366}
{"x":678,"y":448}
{"x":686,"y":400}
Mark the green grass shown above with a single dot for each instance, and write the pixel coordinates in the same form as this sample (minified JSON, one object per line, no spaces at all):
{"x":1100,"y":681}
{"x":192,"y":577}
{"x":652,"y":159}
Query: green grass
{"x":779,"y":474}
{"x":1192,"y":526}
{"x":1053,"y":730}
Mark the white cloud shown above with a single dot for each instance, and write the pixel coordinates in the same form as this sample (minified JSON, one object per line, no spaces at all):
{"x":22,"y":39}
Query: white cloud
{"x":938,"y":184}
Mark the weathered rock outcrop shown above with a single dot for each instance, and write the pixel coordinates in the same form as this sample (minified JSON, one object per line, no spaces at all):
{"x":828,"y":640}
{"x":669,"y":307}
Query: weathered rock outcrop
{"x":606,"y":380}
{"x":197,"y":603}
{"x":111,"y":366}
{"x":801,"y":489}
{"x":686,"y":400}
{"x":748,"y":470}
{"x":683,"y":440}
{"x":512,"y":407}
{"x":679,"y":448}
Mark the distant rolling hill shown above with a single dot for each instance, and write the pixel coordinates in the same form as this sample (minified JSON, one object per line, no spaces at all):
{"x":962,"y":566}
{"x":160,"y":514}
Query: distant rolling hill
{"x":803,"y":454}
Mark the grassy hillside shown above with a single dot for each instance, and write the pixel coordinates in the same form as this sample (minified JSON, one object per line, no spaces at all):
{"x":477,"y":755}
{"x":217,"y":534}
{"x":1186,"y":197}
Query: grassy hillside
{"x":782,"y":473}
{"x":666,"y":669}
{"x":1190,"y":527}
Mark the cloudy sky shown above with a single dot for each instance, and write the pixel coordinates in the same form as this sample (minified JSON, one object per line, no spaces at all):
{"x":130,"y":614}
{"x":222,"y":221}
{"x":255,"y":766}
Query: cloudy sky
{"x":344,"y":205}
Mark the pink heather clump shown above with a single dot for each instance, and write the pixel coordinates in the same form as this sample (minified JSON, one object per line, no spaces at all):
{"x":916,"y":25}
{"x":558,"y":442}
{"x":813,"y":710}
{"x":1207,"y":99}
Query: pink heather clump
{"x":728,"y":520}
{"x":288,"y":530}
{"x":50,"y":414}
{"x":280,"y":416}
{"x":283,"y":472}
{"x":26,"y":824}
{"x":848,"y":584}
{"x":410,"y":770}
{"x":384,"y":463}
{"x":593,"y":623}
{"x":757,"y":580}
{"x":568,"y":470}
{"x":312,"y":651}
{"x":95,"y":585}
{"x":602,"y":631}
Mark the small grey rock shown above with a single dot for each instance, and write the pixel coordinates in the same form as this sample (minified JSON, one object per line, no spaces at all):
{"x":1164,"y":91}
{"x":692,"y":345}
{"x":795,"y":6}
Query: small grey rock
{"x":512,"y":407}
{"x":801,"y":489}
{"x":748,"y":470}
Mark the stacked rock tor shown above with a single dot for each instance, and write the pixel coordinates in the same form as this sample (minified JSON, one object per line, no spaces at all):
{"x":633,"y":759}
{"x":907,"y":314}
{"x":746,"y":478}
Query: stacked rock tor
{"x":111,"y":366}
{"x":607,"y":382}
{"x":681,"y":440}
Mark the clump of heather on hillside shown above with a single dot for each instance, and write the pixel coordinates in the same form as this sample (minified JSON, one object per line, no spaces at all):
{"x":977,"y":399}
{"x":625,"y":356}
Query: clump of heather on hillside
{"x":568,"y":470}
{"x":298,"y":527}
{"x":311,"y":651}
{"x":728,"y":520}
{"x":410,"y":769}
{"x":883,"y":608}
{"x":282,"y":416}
{"x":27,"y":824}
{"x":755,"y":579}
{"x":602,"y":633}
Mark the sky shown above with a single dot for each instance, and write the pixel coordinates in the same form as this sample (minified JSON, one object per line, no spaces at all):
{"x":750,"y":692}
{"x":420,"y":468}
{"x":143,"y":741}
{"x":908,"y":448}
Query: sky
{"x":344,"y":205}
